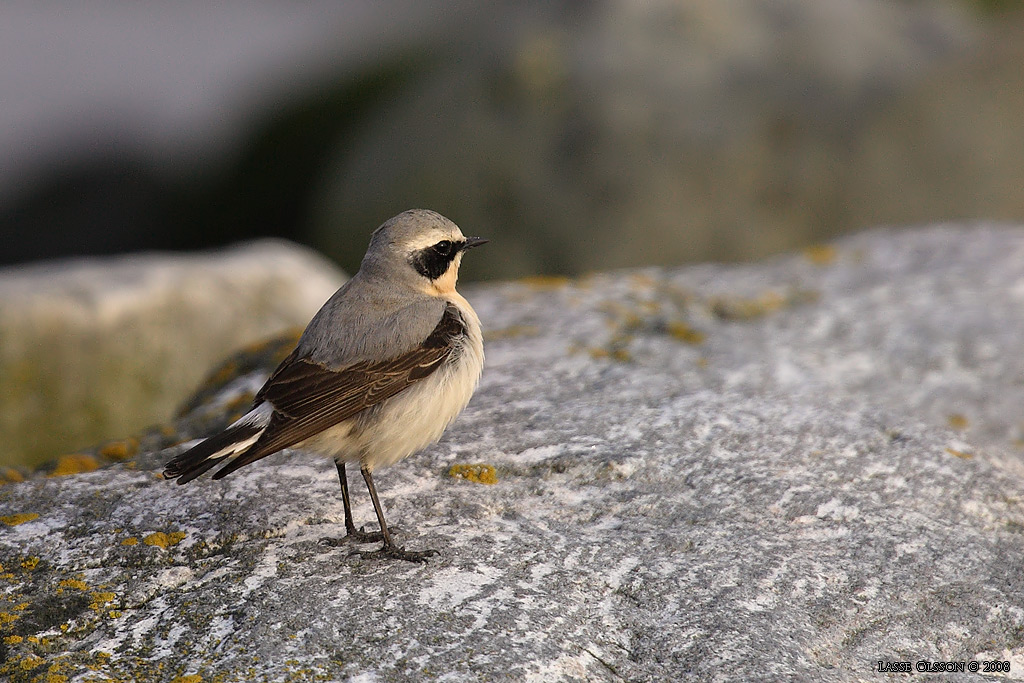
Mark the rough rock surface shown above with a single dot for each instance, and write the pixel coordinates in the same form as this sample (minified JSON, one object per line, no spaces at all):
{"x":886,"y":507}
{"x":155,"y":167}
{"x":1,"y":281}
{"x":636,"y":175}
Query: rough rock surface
{"x":780,"y":471}
{"x":557,"y":115}
{"x":97,"y":348}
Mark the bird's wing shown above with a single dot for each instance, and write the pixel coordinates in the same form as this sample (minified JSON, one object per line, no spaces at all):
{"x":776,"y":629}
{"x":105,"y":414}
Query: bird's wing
{"x":309,"y":397}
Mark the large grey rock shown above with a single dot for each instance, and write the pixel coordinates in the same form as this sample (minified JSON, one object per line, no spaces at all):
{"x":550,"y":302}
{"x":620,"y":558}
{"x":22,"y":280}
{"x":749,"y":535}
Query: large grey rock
{"x":99,"y":348}
{"x":709,"y":473}
{"x":656,"y":132}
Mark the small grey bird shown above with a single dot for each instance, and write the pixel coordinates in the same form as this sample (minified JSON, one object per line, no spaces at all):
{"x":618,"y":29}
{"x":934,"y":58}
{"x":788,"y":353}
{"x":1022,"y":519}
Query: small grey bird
{"x":380,"y":371}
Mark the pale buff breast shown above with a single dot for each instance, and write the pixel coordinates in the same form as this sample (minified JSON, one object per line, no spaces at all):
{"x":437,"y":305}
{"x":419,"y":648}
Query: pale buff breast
{"x":418,"y":416}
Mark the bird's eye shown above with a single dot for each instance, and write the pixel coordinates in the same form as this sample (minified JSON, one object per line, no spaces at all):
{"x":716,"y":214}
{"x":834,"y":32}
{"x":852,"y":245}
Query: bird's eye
{"x":444,"y":247}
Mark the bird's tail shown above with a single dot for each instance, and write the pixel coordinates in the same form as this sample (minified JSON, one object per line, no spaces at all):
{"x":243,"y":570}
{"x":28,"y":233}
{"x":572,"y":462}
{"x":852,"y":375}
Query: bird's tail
{"x":236,"y":439}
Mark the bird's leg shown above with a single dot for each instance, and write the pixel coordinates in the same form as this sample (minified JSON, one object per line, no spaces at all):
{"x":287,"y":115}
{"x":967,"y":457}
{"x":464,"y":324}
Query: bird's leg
{"x":360,"y":535}
{"x":390,"y":549}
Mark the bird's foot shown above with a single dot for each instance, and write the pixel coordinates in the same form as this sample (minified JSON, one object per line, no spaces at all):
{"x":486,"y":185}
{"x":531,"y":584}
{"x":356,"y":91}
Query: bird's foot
{"x":393,"y":552}
{"x":353,"y":535}
{"x":361,"y":535}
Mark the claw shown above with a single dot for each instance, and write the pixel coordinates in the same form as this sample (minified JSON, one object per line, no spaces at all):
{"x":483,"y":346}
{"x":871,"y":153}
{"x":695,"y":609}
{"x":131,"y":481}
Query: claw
{"x":361,"y":535}
{"x":394,"y":552}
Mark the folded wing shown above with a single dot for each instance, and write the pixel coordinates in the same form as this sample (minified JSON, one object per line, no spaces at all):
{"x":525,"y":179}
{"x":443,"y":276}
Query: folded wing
{"x":308,"y":397}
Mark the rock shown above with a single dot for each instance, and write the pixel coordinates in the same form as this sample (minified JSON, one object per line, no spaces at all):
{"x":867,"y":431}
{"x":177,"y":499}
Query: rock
{"x":561,"y":123}
{"x":950,"y":146}
{"x":790,"y":470}
{"x":97,"y":349}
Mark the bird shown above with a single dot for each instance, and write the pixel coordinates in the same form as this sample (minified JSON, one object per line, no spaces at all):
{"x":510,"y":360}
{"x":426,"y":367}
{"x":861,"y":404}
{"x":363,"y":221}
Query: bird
{"x":382,"y":369}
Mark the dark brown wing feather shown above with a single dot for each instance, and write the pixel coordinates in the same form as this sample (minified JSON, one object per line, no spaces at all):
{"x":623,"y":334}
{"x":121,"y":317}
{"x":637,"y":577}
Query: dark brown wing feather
{"x":309,"y":398}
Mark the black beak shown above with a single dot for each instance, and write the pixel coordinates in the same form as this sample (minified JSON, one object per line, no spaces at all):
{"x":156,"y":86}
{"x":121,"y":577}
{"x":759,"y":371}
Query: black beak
{"x":474,"y":242}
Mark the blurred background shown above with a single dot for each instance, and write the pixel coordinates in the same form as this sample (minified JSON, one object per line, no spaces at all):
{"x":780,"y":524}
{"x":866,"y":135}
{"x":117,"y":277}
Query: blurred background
{"x":577,"y":135}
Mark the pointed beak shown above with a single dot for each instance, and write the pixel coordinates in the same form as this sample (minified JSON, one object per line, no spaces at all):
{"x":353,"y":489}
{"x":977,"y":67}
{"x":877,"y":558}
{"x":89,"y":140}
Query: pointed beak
{"x":474,"y":242}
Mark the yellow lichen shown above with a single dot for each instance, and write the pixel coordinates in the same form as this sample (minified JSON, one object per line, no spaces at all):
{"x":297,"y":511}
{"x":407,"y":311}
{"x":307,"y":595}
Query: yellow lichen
{"x":730,"y":308}
{"x":960,"y":454}
{"x":11,"y":476}
{"x":20,"y":518}
{"x":100,"y":601}
{"x":114,"y":614}
{"x":75,"y":463}
{"x":120,"y":450}
{"x":13,"y":640}
{"x":74,"y":583}
{"x":480,"y":473}
{"x":225,"y":372}
{"x":957,"y":421}
{"x":685,"y":333}
{"x":55,"y":678}
{"x":7,"y":618}
{"x":191,"y":678}
{"x":30,"y":563}
{"x":162,"y":540}
{"x":820,"y":254}
{"x":31,"y":662}
{"x":131,"y":540}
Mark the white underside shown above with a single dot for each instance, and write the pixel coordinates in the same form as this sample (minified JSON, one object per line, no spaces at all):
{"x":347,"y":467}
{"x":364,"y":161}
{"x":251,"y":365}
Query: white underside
{"x":415,"y":418}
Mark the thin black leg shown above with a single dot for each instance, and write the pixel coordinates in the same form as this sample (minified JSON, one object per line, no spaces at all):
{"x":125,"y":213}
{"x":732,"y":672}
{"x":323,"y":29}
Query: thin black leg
{"x":390,"y":549}
{"x":360,"y":535}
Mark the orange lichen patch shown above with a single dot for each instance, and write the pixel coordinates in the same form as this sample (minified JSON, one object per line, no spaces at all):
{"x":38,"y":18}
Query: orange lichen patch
{"x":222,"y":374}
{"x":642,"y":280}
{"x":100,"y":600}
{"x":30,"y":563}
{"x":747,"y":309}
{"x":821,"y":254}
{"x":7,"y":618}
{"x":76,"y":463}
{"x":479,"y":473}
{"x":131,"y":540}
{"x":957,"y":421}
{"x":960,"y":454}
{"x":545,"y":282}
{"x":120,"y":450}
{"x":684,"y":333}
{"x":20,"y":518}
{"x":13,"y":640}
{"x":74,"y":583}
{"x":191,"y":678}
{"x":162,"y":540}
{"x":9,"y":475}
{"x":31,"y":662}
